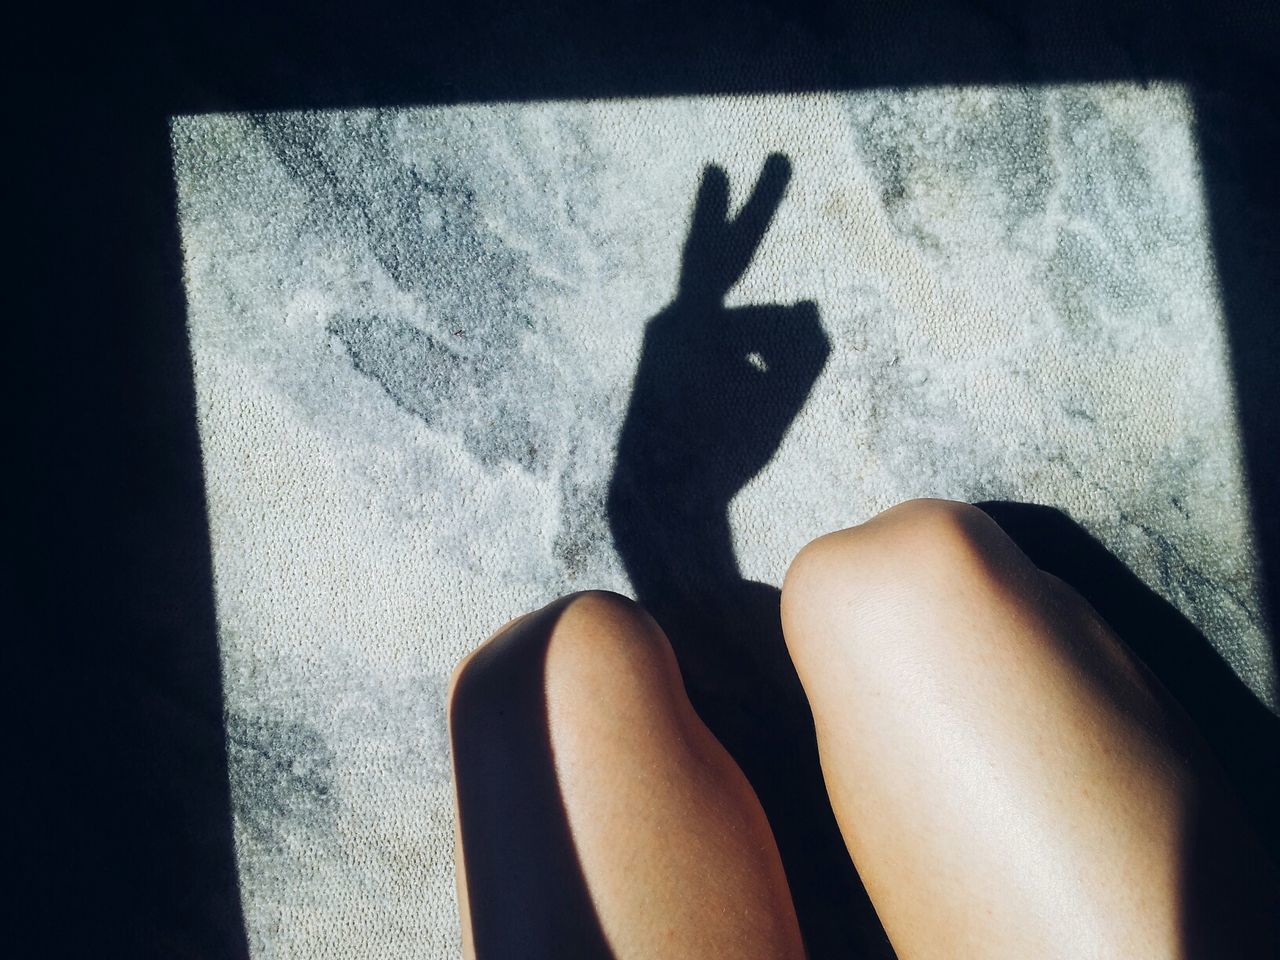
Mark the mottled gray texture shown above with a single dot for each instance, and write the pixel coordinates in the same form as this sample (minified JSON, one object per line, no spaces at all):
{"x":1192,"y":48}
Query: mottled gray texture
{"x":414,"y":333}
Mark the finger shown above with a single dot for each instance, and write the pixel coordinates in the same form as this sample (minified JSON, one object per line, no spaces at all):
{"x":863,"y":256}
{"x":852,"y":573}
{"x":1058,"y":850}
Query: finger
{"x":711,"y":209}
{"x":753,"y":219}
{"x":774,"y":326}
{"x":789,"y":339}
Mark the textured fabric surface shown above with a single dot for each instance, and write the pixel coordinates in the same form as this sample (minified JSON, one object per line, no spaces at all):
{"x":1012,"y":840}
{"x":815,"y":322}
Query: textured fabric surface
{"x":415,"y":333}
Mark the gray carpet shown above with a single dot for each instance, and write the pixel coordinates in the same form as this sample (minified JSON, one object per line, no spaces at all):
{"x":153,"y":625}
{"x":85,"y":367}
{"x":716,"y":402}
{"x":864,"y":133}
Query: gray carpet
{"x":415,"y":331}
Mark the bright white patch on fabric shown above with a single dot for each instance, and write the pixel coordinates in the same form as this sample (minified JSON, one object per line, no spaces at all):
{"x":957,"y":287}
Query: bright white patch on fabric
{"x":415,"y":332}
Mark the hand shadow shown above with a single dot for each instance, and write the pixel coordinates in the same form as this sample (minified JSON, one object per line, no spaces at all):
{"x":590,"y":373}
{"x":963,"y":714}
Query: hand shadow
{"x":714,"y":394}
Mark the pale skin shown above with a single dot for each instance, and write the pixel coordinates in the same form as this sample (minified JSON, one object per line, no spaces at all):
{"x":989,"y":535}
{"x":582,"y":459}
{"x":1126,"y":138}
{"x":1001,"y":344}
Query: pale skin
{"x":1009,"y":780}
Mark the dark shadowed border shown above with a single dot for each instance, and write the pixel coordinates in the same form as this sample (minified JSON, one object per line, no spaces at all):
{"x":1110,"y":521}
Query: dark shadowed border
{"x":132,"y":842}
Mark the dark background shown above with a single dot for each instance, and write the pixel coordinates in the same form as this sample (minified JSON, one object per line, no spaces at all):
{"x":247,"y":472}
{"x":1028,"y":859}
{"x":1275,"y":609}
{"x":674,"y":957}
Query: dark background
{"x":126,"y":820}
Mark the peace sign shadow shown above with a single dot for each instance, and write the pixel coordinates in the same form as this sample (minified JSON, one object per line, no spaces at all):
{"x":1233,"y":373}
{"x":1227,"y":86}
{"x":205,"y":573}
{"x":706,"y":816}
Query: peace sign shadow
{"x":716,"y":390}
